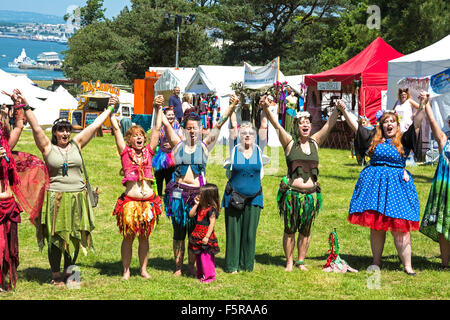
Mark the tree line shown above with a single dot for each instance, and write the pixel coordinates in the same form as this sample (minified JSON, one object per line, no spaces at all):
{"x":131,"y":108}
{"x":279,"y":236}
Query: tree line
{"x":309,"y":36}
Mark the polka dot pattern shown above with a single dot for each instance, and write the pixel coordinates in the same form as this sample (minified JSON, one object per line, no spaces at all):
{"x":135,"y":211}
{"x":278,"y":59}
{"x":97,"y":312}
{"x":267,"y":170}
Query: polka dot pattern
{"x":385,"y":186}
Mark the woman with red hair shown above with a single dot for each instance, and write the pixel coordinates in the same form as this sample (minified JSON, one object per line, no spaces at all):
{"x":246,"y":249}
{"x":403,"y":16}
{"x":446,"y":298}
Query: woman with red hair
{"x":385,"y":197}
{"x":138,"y":208}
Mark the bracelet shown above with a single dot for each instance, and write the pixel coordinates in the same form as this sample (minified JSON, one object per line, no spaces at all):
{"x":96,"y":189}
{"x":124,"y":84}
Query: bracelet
{"x":111,"y":108}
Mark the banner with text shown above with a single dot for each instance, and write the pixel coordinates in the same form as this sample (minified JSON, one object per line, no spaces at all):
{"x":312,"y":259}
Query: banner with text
{"x":436,"y":84}
{"x":260,"y":77}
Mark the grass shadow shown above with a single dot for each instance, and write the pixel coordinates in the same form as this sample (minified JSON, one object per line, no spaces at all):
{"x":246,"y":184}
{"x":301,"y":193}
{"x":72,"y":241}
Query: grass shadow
{"x":38,"y":275}
{"x":390,"y":263}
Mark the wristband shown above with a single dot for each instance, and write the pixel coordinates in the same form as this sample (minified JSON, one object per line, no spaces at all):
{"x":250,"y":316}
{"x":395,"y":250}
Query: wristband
{"x":111,"y":108}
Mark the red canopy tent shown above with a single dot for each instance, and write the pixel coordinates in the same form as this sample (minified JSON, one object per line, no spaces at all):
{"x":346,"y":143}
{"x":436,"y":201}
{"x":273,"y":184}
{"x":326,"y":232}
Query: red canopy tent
{"x":371,"y":67}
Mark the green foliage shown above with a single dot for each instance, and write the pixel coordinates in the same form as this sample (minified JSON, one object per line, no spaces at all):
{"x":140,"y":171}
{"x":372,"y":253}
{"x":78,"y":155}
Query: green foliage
{"x":121,"y":50}
{"x":308,"y":36}
{"x":92,"y":12}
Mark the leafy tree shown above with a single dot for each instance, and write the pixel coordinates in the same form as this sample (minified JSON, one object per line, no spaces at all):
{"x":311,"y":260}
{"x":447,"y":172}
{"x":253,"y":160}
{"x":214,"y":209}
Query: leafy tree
{"x":121,"y":50}
{"x":261,"y":31}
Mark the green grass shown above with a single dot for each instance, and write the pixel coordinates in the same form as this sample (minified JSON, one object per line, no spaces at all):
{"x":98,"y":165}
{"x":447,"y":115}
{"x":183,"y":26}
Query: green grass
{"x":101,"y":271}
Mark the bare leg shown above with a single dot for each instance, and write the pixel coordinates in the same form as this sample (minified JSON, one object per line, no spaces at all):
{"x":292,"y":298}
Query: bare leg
{"x":143,"y":255}
{"x":444,"y":244}
{"x":377,"y":239}
{"x":288,"y":246}
{"x":302,"y":247}
{"x":402,"y":242}
{"x":178,"y":252}
{"x":191,"y":262}
{"x":263,"y":128}
{"x":127,"y":251}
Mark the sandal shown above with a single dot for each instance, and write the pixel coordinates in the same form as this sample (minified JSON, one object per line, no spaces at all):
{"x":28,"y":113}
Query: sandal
{"x":58,"y":282}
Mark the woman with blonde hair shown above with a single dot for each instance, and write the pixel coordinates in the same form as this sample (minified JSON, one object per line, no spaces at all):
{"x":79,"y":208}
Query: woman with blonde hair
{"x":405,"y":107}
{"x":385,"y":197}
{"x":187,"y":102}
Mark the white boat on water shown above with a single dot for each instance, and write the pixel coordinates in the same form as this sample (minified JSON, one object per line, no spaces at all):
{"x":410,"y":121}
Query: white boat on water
{"x":21,"y":59}
{"x":49,"y":58}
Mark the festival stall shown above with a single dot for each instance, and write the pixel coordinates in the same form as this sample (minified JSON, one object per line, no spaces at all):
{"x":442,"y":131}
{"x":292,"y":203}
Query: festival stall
{"x":420,"y":64}
{"x":363,"y":77}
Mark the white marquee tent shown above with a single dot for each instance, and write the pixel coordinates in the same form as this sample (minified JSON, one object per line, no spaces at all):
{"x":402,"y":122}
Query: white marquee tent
{"x":422,"y":63}
{"x":218,"y":80}
{"x":173,"y":77}
{"x":46,"y":103}
{"x":48,"y":112}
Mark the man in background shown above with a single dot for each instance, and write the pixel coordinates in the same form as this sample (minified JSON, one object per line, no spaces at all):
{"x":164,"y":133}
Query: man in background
{"x":175,"y":101}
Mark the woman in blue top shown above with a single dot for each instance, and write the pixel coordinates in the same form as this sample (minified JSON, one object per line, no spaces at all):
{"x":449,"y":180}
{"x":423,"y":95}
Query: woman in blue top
{"x":191,"y":156}
{"x":241,"y":221}
{"x":385,"y":197}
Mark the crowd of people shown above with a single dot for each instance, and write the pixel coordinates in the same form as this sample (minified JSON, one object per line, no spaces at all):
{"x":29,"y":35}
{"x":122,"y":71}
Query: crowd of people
{"x":175,"y":156}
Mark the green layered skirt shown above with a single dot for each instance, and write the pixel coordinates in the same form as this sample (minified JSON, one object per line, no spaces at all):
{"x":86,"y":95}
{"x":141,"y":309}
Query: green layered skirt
{"x":298,"y":209}
{"x":66,"y":221}
{"x":436,"y":218}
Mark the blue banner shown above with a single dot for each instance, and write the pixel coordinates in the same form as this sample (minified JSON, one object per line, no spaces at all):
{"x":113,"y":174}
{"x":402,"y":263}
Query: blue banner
{"x":440,"y":82}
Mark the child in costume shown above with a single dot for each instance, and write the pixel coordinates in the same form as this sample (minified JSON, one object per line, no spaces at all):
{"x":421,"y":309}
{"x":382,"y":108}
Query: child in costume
{"x":164,"y":162}
{"x":203,"y":241}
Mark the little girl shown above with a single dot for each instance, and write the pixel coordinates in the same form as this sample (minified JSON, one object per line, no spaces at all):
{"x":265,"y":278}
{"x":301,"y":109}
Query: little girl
{"x":202,"y":240}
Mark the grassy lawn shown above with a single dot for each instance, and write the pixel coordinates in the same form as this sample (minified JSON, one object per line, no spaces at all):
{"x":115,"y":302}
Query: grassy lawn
{"x":101,"y":271}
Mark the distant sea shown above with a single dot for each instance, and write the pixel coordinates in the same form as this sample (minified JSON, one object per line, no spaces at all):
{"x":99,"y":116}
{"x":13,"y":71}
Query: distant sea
{"x":13,"y":47}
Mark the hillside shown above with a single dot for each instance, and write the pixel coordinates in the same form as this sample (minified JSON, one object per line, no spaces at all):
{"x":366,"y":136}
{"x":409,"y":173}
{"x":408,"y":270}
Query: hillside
{"x":29,"y":17}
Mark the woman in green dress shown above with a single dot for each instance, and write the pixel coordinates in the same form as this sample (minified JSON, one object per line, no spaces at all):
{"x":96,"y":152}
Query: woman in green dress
{"x":67,"y":217}
{"x":436,"y":219}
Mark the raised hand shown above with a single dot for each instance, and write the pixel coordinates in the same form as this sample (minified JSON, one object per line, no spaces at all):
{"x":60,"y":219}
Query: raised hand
{"x":159,"y":100}
{"x":341,"y":105}
{"x":424,"y":97}
{"x":234,"y":100}
{"x":113,"y":100}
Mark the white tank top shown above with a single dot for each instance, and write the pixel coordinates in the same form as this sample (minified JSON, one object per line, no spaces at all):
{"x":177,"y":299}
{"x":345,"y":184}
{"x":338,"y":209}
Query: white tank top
{"x":405,"y":112}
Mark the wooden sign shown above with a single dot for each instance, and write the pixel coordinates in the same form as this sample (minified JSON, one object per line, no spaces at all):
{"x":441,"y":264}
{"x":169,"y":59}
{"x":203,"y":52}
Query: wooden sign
{"x":329,"y":86}
{"x":64,"y":114}
{"x":90,"y":118}
{"x":77,"y":118}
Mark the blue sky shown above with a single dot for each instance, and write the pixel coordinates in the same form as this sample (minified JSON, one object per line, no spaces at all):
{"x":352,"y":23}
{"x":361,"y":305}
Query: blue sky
{"x":59,"y":7}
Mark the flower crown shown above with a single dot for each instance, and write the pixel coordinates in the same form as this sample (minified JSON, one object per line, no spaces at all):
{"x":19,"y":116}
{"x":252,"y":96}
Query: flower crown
{"x":380,"y":113}
{"x":302,"y":114}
